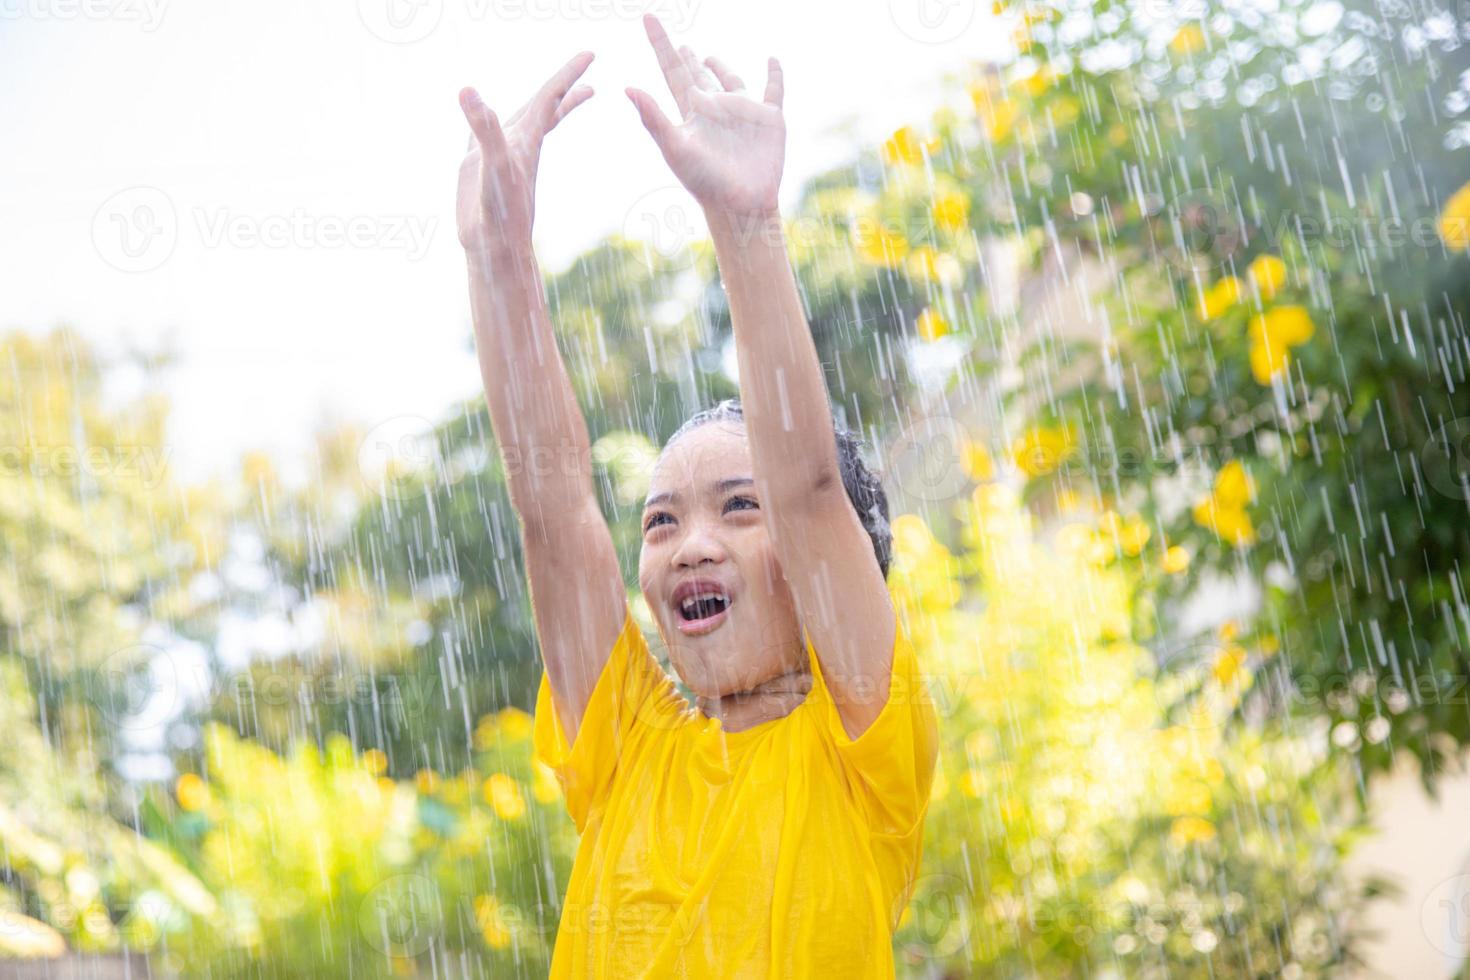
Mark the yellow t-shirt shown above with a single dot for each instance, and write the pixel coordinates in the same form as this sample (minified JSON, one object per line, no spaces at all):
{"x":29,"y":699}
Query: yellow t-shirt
{"x":785,"y":850}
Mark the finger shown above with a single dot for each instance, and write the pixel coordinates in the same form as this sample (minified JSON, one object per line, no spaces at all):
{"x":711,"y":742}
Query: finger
{"x":483,"y":124}
{"x":573,"y":99}
{"x":555,"y":90}
{"x":701,"y":75}
{"x":676,"y":72}
{"x":727,"y":78}
{"x":775,"y":83}
{"x":654,"y":120}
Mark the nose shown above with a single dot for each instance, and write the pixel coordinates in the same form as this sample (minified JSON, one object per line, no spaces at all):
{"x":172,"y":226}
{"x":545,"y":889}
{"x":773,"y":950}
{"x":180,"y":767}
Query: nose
{"x":697,"y":546}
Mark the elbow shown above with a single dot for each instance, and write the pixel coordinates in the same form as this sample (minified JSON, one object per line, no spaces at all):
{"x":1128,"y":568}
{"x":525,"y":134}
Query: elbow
{"x":826,"y":479}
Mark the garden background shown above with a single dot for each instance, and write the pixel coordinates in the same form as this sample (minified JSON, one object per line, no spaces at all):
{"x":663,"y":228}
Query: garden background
{"x":1156,"y":329}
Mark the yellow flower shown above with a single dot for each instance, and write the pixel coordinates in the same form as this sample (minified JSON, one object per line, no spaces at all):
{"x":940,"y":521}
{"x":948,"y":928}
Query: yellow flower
{"x":1224,"y":510}
{"x":427,"y":781}
{"x":951,"y":211}
{"x":1268,"y":274}
{"x":492,"y":924}
{"x":374,"y":761}
{"x":1283,"y":326}
{"x":1229,"y":666}
{"x":1000,"y":119}
{"x":877,"y":245}
{"x":1272,"y":333}
{"x":976,"y":462}
{"x":504,"y":794}
{"x":905,"y":147}
{"x":1230,"y":523}
{"x":1117,"y":134}
{"x":1188,"y":797}
{"x":997,"y":115}
{"x":1267,"y":361}
{"x":1038,"y":82}
{"x":515,"y":724}
{"x":1233,"y":485}
{"x":1130,"y":534}
{"x":1064,"y":111}
{"x":912,"y":537}
{"x":192,"y":792}
{"x":1454,"y":221}
{"x":1176,"y":560}
{"x":931,"y":325}
{"x":1188,"y":40}
{"x":1042,"y":449}
{"x":1220,"y":297}
{"x":1187,"y":830}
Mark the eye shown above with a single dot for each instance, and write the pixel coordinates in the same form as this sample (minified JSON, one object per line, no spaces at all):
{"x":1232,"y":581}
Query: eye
{"x":746,"y":499}
{"x":652,"y":521}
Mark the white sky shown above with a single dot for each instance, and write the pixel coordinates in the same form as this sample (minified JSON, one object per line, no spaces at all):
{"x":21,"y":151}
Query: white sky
{"x":235,"y":116}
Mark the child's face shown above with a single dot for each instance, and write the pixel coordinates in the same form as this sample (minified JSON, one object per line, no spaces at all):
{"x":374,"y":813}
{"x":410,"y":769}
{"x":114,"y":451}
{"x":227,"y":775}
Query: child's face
{"x":720,"y":535}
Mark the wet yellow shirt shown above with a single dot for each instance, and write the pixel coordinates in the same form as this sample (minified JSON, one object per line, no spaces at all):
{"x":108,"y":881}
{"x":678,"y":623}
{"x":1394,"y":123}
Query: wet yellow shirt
{"x":785,"y":850}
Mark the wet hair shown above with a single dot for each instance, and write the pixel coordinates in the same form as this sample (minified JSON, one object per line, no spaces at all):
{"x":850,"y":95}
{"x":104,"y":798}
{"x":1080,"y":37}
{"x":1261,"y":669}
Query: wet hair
{"x":864,"y":491}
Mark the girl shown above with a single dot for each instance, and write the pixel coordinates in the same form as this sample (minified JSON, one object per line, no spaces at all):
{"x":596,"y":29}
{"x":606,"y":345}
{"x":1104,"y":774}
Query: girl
{"x":774,"y":827}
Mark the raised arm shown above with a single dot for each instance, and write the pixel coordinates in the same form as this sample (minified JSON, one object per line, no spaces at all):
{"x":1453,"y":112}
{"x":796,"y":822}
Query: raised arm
{"x":728,"y":151}
{"x":577,"y":588}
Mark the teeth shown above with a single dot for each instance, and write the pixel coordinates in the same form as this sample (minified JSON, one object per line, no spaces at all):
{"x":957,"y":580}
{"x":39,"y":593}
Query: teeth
{"x":689,"y":603}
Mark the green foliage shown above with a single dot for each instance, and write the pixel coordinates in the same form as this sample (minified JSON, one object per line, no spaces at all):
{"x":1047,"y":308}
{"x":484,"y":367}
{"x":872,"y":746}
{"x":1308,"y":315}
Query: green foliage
{"x":1284,"y":297}
{"x":93,"y":546}
{"x":324,"y":866}
{"x":1076,"y":828}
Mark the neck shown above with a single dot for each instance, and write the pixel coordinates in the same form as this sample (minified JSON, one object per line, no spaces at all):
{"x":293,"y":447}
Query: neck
{"x":767,"y":701}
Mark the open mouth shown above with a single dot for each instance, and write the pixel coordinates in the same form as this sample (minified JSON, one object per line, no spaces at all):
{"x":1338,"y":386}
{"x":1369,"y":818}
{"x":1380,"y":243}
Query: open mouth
{"x":699,"y":614}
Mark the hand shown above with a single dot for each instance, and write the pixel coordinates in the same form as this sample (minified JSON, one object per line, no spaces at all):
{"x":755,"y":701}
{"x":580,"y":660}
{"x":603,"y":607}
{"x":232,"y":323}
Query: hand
{"x":497,"y":180}
{"x":729,"y":149}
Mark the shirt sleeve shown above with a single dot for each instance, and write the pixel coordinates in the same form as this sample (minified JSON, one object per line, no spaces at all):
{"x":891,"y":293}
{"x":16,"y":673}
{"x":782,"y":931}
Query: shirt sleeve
{"x":633,"y":695}
{"x":891,"y":763}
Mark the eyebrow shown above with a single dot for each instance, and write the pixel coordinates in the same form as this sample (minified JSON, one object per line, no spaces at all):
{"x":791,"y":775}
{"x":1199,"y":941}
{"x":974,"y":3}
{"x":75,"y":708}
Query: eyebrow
{"x":718,"y":487}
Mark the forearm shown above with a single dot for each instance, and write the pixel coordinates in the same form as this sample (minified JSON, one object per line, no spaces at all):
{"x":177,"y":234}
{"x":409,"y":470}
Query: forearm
{"x":783,"y":394}
{"x":543,"y":439}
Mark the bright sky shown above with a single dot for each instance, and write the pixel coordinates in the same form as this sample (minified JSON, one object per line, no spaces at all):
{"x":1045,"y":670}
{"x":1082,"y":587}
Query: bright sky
{"x":269,"y":186}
